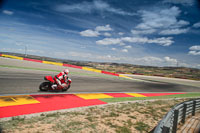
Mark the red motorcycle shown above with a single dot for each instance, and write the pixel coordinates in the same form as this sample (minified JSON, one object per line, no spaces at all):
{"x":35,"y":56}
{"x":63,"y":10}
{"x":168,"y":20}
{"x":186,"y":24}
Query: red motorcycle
{"x":46,"y":86}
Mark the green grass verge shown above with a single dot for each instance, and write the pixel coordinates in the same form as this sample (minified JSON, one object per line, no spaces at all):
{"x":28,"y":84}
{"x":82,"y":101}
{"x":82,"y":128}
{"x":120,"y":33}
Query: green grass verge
{"x":29,"y":68}
{"x":123,"y":99}
{"x":73,"y":73}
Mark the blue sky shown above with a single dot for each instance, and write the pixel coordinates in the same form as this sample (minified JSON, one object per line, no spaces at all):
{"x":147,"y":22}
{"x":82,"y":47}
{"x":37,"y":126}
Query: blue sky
{"x":142,"y":32}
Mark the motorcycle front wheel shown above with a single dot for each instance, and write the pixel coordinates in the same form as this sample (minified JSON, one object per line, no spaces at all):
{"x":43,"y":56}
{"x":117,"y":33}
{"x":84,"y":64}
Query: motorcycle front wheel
{"x":65,"y":89}
{"x":45,"y":86}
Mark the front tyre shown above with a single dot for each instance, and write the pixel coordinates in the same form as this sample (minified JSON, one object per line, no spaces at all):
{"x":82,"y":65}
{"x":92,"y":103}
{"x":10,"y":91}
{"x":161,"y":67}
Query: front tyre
{"x":45,"y":86}
{"x":67,"y":88}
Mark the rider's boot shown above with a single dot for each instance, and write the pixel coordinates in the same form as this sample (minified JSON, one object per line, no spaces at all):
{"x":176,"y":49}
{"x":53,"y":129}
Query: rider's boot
{"x":54,"y":86}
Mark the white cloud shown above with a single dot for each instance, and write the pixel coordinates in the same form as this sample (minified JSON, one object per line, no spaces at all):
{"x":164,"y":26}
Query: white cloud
{"x":96,"y":32}
{"x":155,"y":61}
{"x":7,"y":12}
{"x":181,"y":23}
{"x":89,"y":7}
{"x":125,"y":50}
{"x":194,"y":52}
{"x":107,"y":34}
{"x":170,"y":60}
{"x":150,"y":59}
{"x":121,"y":33}
{"x":164,"y":41}
{"x":114,"y":49}
{"x":183,"y":2}
{"x":89,"y":33}
{"x":109,"y":41}
{"x":147,"y":60}
{"x":174,"y":31}
{"x":147,"y":31}
{"x":143,"y":26}
{"x":129,"y":46}
{"x":196,"y":25}
{"x":103,"y":28}
{"x":163,"y":18}
{"x":195,"y":48}
{"x":135,"y":39}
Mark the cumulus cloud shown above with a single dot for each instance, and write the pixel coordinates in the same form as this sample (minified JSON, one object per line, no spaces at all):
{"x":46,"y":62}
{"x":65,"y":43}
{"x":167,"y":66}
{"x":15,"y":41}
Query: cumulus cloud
{"x":7,"y":12}
{"x":147,"y":60}
{"x":170,"y":60}
{"x":129,"y":46}
{"x":103,"y":28}
{"x":194,"y":50}
{"x":125,"y":50}
{"x":90,"y":7}
{"x":157,"y":61}
{"x":164,"y":41}
{"x":164,"y":18}
{"x":109,"y":41}
{"x":150,"y":59}
{"x":174,"y":31}
{"x":121,"y":33}
{"x":195,"y":47}
{"x":114,"y":49}
{"x":98,"y":31}
{"x":135,"y":39}
{"x":89,"y":33}
{"x":107,"y":34}
{"x":196,"y":25}
{"x":147,"y":31}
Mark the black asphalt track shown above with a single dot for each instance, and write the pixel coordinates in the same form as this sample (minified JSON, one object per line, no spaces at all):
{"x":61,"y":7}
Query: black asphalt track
{"x":23,"y":81}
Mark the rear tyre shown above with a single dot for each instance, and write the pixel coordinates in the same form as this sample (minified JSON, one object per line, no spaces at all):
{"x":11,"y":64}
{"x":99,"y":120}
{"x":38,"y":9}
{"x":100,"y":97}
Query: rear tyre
{"x":45,"y":86}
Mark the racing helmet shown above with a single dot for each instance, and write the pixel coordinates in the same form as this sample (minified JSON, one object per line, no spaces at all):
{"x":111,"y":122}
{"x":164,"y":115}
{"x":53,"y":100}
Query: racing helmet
{"x":66,"y":71}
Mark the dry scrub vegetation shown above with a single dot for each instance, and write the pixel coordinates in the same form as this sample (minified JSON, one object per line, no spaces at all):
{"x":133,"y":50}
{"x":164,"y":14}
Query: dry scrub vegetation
{"x":129,"y":117}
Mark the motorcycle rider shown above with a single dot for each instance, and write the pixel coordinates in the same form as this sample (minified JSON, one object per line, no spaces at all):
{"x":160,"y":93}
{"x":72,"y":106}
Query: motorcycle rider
{"x":61,"y":80}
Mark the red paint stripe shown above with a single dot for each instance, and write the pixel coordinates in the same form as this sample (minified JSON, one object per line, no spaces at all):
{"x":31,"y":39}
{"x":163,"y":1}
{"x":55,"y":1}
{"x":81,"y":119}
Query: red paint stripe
{"x":118,"y":94}
{"x":74,"y":66}
{"x":48,"y":103}
{"x":105,"y":72}
{"x":138,"y":73}
{"x":159,"y":94}
{"x":34,"y":60}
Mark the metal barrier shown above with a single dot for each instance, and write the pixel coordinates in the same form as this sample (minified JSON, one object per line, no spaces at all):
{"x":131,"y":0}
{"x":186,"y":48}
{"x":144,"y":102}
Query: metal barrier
{"x":177,"y":115}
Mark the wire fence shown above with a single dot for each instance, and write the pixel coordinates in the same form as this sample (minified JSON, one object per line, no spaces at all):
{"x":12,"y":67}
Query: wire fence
{"x":177,"y":115}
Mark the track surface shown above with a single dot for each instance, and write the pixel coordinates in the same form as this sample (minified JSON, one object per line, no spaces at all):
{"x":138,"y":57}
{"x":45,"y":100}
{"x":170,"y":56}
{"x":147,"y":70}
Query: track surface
{"x":20,"y":81}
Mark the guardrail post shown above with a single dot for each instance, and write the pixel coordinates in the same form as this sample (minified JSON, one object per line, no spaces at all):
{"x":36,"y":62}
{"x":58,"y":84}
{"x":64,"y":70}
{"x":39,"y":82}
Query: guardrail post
{"x":175,"y":122}
{"x":165,"y":129}
{"x":184,"y":113}
{"x":194,"y":108}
